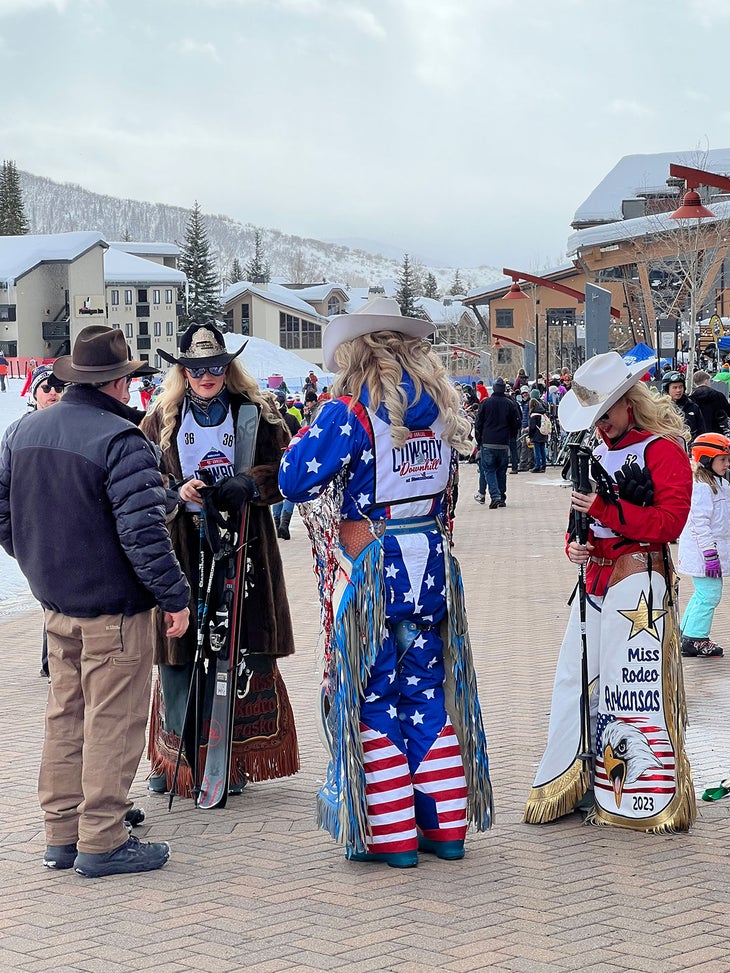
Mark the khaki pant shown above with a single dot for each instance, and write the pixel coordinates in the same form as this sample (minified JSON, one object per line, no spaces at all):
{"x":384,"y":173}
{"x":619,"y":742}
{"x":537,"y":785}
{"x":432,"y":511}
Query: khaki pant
{"x":96,"y":716}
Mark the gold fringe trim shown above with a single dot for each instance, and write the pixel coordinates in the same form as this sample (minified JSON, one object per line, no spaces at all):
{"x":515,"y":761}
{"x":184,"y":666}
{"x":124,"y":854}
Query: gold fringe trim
{"x":551,"y":801}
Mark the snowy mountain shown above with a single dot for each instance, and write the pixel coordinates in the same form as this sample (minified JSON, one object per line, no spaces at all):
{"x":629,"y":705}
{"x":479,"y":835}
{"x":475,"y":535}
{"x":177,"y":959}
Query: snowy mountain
{"x":53,"y":207}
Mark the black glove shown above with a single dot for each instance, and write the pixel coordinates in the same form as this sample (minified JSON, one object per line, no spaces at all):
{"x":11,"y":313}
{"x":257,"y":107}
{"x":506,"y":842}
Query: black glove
{"x":232,"y":492}
{"x":635,"y":485}
{"x":212,"y":520}
{"x":172,"y":501}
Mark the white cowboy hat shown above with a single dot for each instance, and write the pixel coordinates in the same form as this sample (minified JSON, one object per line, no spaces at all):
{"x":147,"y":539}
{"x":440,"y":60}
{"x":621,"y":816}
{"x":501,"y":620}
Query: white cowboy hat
{"x":597,"y":385}
{"x":380,"y":314}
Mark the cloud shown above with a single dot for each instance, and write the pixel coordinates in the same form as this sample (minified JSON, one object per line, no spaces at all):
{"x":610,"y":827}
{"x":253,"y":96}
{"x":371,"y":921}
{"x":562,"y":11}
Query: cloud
{"x":708,"y":12}
{"x":187,"y":46}
{"x":8,"y":7}
{"x":626,"y":107}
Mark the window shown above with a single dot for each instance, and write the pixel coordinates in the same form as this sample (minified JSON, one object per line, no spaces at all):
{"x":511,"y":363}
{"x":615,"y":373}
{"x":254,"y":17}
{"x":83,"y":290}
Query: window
{"x":155,"y":297}
{"x":333,"y":306}
{"x":288,"y":330}
{"x":145,"y":343}
{"x":157,"y":327}
{"x":504,"y":318}
{"x":144,"y":327}
{"x":245,"y":319}
{"x":504,"y":356}
{"x":311,"y":335}
{"x":128,"y":297}
{"x":168,"y":296}
{"x":169,"y":328}
{"x":115,"y":298}
{"x":128,"y":330}
{"x":158,"y":361}
{"x":115,"y":324}
{"x":142,"y":295}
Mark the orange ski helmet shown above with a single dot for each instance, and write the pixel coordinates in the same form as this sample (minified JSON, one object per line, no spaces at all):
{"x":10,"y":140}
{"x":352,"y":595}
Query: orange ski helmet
{"x":709,"y":445}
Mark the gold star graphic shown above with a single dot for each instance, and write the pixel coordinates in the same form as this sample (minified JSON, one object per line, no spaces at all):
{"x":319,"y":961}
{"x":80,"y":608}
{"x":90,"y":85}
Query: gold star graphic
{"x":640,"y":621}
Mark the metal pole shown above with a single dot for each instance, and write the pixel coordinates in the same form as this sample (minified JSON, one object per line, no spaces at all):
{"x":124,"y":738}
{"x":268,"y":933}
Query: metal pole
{"x":692,"y":312}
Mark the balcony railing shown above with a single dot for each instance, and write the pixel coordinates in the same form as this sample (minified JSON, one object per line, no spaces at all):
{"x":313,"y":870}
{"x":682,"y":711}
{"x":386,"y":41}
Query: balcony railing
{"x":56,"y":330}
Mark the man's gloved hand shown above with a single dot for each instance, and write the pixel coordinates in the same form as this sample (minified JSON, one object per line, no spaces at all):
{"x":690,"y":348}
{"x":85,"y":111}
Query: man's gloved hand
{"x":635,"y":485}
{"x":232,"y":492}
{"x":172,"y":501}
{"x":713,"y":568}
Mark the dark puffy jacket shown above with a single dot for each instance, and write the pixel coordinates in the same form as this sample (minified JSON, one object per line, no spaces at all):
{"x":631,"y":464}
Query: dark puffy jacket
{"x":497,"y":420}
{"x":714,"y":408}
{"x":82,"y":510}
{"x":692,"y":416}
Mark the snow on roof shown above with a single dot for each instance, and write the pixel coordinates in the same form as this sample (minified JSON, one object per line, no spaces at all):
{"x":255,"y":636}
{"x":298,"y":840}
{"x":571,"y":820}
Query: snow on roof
{"x":505,"y":282}
{"x":263,"y":358}
{"x":121,"y":267}
{"x":641,"y":226}
{"x":635,"y":174}
{"x":439,"y":313}
{"x":276,"y":294}
{"x":317,"y":292}
{"x":150,"y":249}
{"x":20,"y":254}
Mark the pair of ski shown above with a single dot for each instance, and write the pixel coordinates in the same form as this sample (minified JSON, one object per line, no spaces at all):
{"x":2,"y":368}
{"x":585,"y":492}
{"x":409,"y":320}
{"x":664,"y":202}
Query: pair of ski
{"x":224,"y":635}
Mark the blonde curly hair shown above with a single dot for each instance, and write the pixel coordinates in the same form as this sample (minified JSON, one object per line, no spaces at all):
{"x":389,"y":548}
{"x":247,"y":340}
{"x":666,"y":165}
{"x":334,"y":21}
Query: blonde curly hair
{"x":656,"y":413}
{"x":377,"y":361}
{"x":237,"y":380}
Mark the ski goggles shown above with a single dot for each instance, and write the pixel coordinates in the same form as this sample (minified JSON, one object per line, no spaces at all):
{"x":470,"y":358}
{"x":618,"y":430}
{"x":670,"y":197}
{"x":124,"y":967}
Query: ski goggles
{"x":216,"y":370}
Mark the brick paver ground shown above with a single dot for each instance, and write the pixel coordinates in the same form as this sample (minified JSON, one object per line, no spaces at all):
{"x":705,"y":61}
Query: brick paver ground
{"x":257,"y":887}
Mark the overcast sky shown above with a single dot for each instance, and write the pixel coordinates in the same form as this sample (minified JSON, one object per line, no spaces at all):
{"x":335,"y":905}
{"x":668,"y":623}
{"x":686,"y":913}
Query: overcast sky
{"x":464,"y":131}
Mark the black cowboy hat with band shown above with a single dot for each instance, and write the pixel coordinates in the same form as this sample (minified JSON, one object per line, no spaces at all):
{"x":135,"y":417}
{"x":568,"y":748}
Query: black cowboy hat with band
{"x":99,"y":355}
{"x":202,"y":346}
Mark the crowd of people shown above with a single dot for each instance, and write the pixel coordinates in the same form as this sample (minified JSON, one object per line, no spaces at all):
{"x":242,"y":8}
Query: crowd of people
{"x":373,"y":464}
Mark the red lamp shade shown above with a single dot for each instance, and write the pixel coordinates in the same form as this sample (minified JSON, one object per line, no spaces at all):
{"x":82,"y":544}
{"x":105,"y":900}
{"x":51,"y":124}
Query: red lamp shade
{"x":692,"y":208}
{"x":514,"y":293}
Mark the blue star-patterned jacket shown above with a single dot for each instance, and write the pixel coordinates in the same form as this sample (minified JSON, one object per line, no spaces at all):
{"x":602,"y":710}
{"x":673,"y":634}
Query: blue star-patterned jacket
{"x":337,"y":440}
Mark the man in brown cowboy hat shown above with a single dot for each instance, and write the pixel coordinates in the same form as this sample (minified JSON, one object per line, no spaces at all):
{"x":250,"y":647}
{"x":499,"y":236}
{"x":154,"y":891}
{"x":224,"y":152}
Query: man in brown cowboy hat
{"x":99,"y":569}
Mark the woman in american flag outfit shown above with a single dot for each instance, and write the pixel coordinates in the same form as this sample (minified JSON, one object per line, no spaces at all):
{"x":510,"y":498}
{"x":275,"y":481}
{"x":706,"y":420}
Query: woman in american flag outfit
{"x":408,"y":767}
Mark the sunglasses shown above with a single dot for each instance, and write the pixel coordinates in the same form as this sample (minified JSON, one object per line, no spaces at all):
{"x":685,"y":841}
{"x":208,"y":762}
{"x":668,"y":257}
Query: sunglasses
{"x":48,"y":386}
{"x":216,"y":370}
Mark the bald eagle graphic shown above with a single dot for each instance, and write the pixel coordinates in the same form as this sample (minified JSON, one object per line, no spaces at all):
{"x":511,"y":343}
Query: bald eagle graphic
{"x":626,"y":755}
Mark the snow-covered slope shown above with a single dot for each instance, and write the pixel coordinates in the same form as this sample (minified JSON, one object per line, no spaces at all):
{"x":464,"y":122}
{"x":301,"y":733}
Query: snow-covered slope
{"x":53,"y":207}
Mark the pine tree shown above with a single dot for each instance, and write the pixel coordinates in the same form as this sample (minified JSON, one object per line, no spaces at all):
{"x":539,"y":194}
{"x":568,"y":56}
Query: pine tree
{"x":12,"y":213}
{"x":406,"y":294}
{"x":257,"y":270}
{"x":197,"y":265}
{"x":457,"y":286}
{"x":431,"y":287}
{"x":236,"y":272}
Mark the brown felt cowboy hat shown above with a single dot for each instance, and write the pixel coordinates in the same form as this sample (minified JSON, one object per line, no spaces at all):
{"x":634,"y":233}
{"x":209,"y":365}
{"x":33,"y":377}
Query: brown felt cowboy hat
{"x":202,"y":346}
{"x":99,"y":355}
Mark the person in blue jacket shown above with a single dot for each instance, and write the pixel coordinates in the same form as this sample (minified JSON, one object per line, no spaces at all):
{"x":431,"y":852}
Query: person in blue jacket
{"x":376,"y":474}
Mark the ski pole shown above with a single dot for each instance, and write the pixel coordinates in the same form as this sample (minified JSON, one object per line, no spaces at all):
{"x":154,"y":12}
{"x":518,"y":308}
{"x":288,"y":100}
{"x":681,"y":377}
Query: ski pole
{"x":579,"y":457}
{"x":194,"y":686}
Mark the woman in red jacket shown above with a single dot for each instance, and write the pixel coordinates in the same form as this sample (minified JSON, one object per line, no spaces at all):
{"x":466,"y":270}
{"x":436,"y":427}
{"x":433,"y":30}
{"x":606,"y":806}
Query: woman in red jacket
{"x":635,"y":773}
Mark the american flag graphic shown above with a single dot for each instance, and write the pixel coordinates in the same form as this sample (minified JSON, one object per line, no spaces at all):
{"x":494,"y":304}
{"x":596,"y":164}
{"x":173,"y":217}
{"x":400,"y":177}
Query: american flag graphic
{"x":652,"y":779}
{"x":389,"y":794}
{"x":441,"y":776}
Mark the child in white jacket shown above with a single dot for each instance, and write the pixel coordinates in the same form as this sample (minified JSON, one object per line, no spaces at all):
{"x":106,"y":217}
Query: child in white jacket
{"x":704,"y":545}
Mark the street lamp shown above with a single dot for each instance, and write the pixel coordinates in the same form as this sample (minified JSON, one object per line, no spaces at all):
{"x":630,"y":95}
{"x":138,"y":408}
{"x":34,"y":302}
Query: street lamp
{"x":514,"y":293}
